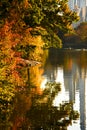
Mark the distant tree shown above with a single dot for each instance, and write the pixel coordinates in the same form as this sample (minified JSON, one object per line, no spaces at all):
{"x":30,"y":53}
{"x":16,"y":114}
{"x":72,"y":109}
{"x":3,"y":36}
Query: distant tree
{"x":81,"y":31}
{"x":78,"y":39}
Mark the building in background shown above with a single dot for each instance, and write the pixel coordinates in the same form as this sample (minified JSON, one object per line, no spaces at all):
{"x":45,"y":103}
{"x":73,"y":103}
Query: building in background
{"x":79,"y":6}
{"x":79,"y":3}
{"x":71,"y":4}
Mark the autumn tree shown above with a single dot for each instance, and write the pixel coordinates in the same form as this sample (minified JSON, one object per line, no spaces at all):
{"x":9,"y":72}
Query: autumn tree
{"x":45,"y":18}
{"x":52,"y":16}
{"x":25,"y":27}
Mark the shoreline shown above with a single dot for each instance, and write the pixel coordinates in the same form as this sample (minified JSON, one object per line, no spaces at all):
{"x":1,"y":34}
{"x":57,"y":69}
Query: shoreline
{"x":75,"y":46}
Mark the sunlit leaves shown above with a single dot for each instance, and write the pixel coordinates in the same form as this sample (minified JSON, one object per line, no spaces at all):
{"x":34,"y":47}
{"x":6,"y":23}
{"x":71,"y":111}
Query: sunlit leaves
{"x":45,"y":14}
{"x":7,"y":93}
{"x":9,"y":58}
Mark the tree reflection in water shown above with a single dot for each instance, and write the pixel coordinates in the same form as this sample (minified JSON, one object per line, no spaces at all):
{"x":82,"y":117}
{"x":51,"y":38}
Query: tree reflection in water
{"x":33,"y":111}
{"x":44,"y":116}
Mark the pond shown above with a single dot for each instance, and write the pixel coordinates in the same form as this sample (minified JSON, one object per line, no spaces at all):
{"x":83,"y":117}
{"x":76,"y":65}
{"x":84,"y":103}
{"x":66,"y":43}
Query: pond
{"x":55,"y":97}
{"x":69,"y":67}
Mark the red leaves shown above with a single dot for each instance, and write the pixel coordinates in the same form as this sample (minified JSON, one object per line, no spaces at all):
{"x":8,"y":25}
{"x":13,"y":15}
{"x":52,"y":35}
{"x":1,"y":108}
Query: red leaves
{"x":11,"y":57}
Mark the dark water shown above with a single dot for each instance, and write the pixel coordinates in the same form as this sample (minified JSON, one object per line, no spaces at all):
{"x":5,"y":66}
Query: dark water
{"x":69,"y":67}
{"x":56,"y":96}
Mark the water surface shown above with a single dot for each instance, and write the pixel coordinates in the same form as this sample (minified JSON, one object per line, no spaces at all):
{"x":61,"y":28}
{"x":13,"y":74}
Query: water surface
{"x":69,"y":67}
{"x":55,"y":97}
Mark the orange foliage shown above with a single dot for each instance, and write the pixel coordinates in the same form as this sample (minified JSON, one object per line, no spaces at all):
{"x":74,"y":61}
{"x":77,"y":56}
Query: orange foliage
{"x":36,"y":78}
{"x":26,"y":3}
{"x":11,"y":59}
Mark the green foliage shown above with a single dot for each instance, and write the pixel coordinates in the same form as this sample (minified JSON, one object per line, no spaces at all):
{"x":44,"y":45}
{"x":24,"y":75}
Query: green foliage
{"x":79,"y":38}
{"x":51,"y":15}
{"x":7,"y":94}
{"x":81,"y":31}
{"x":55,"y":15}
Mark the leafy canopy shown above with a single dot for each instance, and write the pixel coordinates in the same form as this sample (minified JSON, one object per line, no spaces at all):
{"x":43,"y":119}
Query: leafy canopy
{"x":24,"y":24}
{"x":45,"y":17}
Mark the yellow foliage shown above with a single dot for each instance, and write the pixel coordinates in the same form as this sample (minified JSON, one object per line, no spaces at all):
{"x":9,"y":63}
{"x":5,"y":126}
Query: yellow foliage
{"x":28,"y":39}
{"x":11,"y":59}
{"x":36,"y":77}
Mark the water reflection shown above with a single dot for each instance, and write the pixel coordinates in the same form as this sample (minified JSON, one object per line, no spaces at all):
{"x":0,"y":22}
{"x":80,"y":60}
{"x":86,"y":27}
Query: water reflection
{"x":71,"y":68}
{"x":33,"y":111}
{"x":50,"y":101}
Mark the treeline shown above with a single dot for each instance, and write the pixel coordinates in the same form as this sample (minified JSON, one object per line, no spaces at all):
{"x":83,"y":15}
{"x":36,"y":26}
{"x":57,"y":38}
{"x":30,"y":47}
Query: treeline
{"x":26,"y":26}
{"x":44,"y":18}
{"x":79,"y":38}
